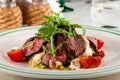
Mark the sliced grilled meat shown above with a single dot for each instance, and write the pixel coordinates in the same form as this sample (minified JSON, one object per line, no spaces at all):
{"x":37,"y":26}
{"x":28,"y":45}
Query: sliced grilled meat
{"x":61,"y":52}
{"x":76,"y":45}
{"x":45,"y":59}
{"x":35,"y":47}
{"x":59,"y":38}
{"x":49,"y":60}
{"x":93,"y":42}
{"x":61,"y":55}
{"x":28,"y":42}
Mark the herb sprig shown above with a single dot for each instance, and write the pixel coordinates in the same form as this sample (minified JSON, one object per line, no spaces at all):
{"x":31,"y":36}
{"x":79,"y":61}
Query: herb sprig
{"x":51,"y":27}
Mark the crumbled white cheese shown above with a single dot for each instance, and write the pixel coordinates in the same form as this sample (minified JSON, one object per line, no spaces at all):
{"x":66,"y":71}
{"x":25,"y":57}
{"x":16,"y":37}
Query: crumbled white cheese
{"x":36,"y":59}
{"x":88,"y":51}
{"x":75,"y":64}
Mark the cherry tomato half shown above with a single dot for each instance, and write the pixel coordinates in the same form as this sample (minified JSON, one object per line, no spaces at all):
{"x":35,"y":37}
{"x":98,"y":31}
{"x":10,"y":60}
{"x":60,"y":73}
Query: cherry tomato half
{"x":15,"y":55}
{"x":100,"y":43}
{"x":90,"y":62}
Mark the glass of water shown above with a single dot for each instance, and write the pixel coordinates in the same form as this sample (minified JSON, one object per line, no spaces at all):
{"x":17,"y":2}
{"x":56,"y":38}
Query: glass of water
{"x":106,"y":12}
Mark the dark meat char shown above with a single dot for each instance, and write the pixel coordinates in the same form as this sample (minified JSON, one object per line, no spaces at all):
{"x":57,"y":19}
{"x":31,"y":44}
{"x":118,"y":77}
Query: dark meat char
{"x":60,"y":38}
{"x":46,"y":59}
{"x":30,"y":39}
{"x":35,"y":47}
{"x":76,"y":45}
{"x":61,"y":55}
{"x":61,"y":52}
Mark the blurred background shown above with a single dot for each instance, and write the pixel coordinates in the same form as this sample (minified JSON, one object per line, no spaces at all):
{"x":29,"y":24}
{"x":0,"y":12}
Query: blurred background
{"x":81,"y":10}
{"x":94,"y":12}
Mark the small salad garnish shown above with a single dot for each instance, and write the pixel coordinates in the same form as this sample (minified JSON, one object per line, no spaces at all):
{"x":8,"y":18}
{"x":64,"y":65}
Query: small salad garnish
{"x":57,"y":45}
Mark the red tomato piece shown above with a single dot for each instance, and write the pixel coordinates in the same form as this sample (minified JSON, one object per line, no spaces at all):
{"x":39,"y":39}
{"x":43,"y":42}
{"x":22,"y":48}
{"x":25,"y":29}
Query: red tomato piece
{"x":100,"y":43}
{"x":90,"y":62}
{"x":15,"y":55}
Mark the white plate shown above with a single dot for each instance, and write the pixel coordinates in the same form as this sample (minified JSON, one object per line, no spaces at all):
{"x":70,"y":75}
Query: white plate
{"x":16,"y":37}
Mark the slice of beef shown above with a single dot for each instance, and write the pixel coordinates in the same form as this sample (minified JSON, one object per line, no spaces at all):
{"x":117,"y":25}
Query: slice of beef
{"x":61,"y":52}
{"x":53,"y":62}
{"x":59,"y":38}
{"x":93,"y":42}
{"x":76,"y":45}
{"x":30,"y":39}
{"x":45,"y":59}
{"x":28,"y":42}
{"x":49,"y":60}
{"x":61,"y":55}
{"x":35,"y":47}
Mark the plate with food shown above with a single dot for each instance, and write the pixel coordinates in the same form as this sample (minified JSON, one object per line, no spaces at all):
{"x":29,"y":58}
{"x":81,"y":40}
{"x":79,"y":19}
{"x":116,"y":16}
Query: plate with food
{"x":60,"y":50}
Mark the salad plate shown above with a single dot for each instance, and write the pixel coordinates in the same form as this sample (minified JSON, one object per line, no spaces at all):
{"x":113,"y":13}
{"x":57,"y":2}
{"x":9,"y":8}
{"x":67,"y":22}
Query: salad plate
{"x":16,"y":37}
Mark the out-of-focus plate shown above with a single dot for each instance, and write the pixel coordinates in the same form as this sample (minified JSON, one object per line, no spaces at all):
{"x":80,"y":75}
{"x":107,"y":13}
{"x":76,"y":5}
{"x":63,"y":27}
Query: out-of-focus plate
{"x":16,"y":38}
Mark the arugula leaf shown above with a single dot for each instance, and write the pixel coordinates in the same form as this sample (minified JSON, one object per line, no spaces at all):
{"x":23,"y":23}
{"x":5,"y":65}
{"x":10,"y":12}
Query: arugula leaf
{"x":46,"y":32}
{"x":52,"y":27}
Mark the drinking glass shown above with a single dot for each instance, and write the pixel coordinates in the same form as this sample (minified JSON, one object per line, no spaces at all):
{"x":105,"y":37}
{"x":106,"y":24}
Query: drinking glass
{"x":106,"y":12}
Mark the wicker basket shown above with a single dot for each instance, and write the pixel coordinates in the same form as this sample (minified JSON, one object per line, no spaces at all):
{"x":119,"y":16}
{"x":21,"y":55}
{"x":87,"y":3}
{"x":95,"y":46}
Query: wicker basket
{"x":10,"y":18}
{"x":36,"y":12}
{"x":33,"y":12}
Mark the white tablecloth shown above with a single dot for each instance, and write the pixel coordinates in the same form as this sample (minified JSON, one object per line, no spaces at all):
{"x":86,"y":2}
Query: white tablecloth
{"x":83,"y":11}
